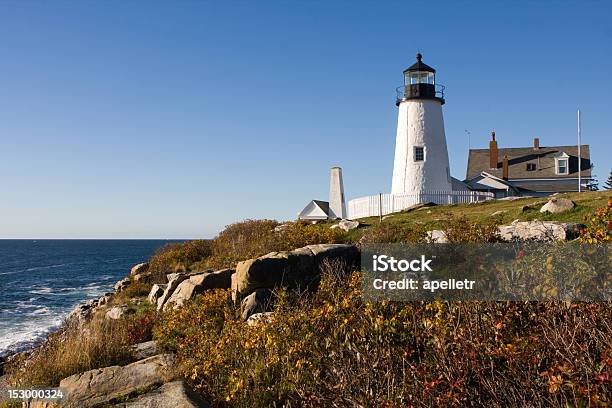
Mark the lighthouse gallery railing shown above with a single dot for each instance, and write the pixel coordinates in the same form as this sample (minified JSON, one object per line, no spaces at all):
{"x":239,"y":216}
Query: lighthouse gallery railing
{"x":371,"y":206}
{"x":403,"y":92}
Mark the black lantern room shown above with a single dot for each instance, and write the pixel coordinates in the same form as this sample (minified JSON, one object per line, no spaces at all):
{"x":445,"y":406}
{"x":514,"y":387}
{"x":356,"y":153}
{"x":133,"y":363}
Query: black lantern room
{"x":420,"y":83}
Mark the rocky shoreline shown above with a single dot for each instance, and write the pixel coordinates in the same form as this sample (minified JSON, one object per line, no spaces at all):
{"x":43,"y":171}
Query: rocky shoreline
{"x":151,"y":380}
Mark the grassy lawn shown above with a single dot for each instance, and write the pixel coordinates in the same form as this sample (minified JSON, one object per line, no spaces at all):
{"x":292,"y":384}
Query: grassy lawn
{"x":524,"y":209}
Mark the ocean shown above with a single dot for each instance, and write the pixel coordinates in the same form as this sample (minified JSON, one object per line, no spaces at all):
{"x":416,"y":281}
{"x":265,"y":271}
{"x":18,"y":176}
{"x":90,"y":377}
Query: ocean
{"x":41,"y":281}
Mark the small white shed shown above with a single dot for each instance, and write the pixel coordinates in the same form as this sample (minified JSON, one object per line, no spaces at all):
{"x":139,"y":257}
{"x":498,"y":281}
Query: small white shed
{"x":316,"y":210}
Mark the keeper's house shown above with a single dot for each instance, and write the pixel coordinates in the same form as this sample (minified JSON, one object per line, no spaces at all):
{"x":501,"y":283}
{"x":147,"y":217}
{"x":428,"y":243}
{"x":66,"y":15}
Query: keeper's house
{"x":527,"y":171}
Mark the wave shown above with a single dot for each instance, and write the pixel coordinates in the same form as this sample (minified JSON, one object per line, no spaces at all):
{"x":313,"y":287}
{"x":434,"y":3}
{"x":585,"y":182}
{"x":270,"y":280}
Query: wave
{"x":42,"y":310}
{"x":45,"y":290}
{"x":9,"y":273}
{"x":24,"y":337}
{"x":37,"y":268}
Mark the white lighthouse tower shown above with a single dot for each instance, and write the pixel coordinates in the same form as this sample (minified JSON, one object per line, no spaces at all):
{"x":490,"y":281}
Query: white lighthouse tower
{"x":421,"y":156}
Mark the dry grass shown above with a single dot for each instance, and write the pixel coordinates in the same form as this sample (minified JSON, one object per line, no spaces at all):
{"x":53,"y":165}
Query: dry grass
{"x":72,"y":350}
{"x":75,"y":349}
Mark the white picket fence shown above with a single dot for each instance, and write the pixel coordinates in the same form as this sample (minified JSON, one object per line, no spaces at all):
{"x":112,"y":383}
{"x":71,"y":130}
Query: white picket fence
{"x":373,"y":205}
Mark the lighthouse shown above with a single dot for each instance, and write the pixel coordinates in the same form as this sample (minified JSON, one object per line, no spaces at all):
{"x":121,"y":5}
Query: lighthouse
{"x":421,"y":155}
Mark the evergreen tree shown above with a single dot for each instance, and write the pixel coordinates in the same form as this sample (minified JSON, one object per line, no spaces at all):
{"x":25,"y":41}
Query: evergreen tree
{"x":592,"y":185}
{"x":608,"y":183}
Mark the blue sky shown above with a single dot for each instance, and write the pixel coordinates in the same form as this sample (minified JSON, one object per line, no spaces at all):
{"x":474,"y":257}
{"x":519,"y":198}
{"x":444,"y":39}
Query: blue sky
{"x":134,"y":119}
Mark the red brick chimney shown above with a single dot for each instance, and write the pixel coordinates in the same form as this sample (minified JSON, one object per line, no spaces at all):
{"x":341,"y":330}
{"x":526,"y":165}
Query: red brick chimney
{"x":493,"y":152}
{"x":536,"y":143}
{"x":505,"y":168}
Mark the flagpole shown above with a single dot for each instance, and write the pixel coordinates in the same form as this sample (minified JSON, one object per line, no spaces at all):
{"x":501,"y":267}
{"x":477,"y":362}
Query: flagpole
{"x":579,"y":157}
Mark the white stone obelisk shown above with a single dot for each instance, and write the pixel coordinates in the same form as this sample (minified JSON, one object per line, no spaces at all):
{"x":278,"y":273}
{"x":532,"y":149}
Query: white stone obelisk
{"x":337,"y":206}
{"x":421,"y":156}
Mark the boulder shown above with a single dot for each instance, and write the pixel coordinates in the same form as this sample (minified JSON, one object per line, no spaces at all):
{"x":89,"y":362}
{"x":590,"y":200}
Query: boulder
{"x":156,"y":291}
{"x":103,"y":385}
{"x":142,"y":277}
{"x":197,"y":284}
{"x":174,"y":279}
{"x":144,"y":350}
{"x":557,"y":205}
{"x":80,"y":314}
{"x":437,"y":237}
{"x":291,"y":269}
{"x":122,"y":284}
{"x":496,"y":213}
{"x":259,"y":318}
{"x":116,"y":312}
{"x":539,"y":231}
{"x":259,"y":301}
{"x":299,"y":268}
{"x":174,"y":394}
{"x":347,"y":225}
{"x":347,"y":255}
{"x":139,"y":269}
{"x":104,"y":299}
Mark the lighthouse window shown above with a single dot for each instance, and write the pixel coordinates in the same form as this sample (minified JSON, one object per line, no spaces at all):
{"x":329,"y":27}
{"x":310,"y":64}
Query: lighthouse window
{"x":420,"y":78}
{"x":419,"y":153}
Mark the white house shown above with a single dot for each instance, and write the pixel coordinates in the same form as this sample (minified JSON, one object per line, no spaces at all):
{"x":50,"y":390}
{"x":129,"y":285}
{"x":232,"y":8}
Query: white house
{"x":531,"y":171}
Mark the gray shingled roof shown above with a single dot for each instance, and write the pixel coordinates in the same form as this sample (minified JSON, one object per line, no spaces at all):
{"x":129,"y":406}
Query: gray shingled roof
{"x":543,"y":158}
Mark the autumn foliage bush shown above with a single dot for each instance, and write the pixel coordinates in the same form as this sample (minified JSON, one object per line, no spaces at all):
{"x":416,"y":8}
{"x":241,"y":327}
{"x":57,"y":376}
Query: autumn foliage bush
{"x":600,"y":226}
{"x":332,"y":348}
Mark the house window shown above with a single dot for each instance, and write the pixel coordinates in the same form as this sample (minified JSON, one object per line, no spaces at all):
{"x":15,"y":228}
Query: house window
{"x":419,"y":153}
{"x":562,"y":166}
{"x":531,"y":166}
